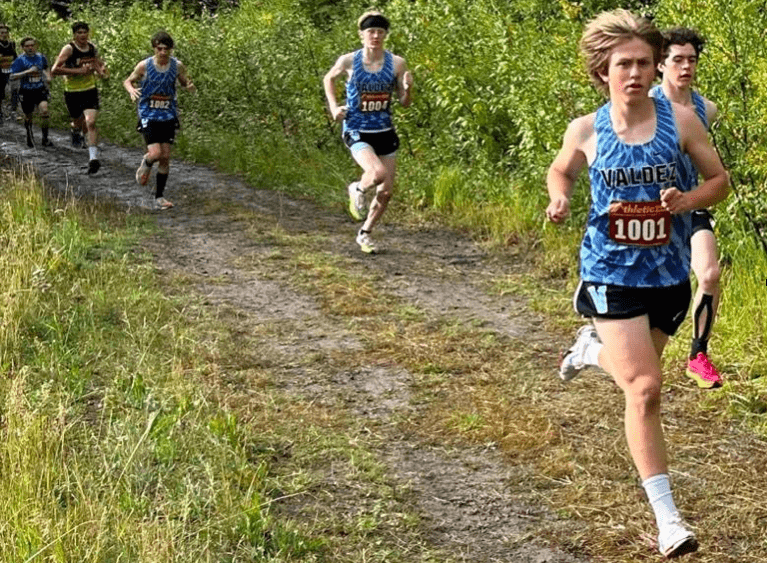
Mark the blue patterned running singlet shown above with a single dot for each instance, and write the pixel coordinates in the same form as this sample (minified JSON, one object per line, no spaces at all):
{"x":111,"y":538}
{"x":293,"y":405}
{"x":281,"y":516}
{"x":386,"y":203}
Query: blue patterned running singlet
{"x":368,"y":96}
{"x":158,"y":93}
{"x":632,"y":244}
{"x":697,"y":101}
{"x":700,"y":110}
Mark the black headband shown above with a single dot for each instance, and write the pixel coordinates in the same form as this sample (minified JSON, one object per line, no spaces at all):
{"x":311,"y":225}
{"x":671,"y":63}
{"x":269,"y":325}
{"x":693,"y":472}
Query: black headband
{"x":375,"y":20}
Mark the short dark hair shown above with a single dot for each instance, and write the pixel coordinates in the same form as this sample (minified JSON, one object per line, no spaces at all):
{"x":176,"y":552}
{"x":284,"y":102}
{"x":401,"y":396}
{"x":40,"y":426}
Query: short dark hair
{"x":682,"y":36}
{"x":80,"y":25}
{"x":5,"y":26}
{"x":27,"y":39}
{"x":162,"y":38}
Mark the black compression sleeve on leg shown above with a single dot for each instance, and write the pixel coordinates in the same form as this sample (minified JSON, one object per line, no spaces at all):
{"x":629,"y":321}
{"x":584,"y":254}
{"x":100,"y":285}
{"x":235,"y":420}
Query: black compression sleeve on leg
{"x":700,"y":342}
{"x":161,"y":180}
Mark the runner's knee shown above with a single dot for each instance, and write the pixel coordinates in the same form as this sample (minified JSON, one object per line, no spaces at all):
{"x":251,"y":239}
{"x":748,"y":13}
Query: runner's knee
{"x":708,"y":277}
{"x":643,"y":395}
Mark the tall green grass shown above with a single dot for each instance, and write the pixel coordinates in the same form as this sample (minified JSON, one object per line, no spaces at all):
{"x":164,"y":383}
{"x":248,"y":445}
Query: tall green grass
{"x":475,"y":142}
{"x":112,"y":449}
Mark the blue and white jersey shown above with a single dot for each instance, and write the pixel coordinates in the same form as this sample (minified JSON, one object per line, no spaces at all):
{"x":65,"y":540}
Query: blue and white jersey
{"x":368,"y":96}
{"x":34,"y":81}
{"x":697,"y":101}
{"x":158,"y":92}
{"x":700,"y":110}
{"x":630,"y":239}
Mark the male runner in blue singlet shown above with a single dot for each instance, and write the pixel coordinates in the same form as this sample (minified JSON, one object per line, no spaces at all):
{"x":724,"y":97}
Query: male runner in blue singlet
{"x":635,"y":254}
{"x":681,"y":53}
{"x":158,"y":110}
{"x":31,"y":68}
{"x":373,"y":74}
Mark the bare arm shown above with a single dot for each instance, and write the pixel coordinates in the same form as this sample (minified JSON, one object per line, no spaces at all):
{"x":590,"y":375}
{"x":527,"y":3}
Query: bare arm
{"x":135,"y":76}
{"x":404,"y":81}
{"x":694,"y":141}
{"x":100,"y":67}
{"x":58,"y":67}
{"x":342,"y":66}
{"x":184,"y":80}
{"x":711,"y":111}
{"x":30,"y":70}
{"x":566,"y":167}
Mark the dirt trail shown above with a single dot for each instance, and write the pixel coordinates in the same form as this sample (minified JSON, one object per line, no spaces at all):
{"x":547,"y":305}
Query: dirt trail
{"x":468,"y":499}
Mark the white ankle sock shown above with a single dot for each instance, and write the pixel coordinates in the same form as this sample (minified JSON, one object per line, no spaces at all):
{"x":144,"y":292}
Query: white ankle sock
{"x":93,"y":152}
{"x":658,"y":489}
{"x":591,"y":354}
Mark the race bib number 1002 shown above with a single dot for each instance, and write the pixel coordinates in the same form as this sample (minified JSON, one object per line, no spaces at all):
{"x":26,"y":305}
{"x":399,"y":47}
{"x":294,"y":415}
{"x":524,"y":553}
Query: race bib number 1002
{"x":158,"y":101}
{"x":640,"y":223}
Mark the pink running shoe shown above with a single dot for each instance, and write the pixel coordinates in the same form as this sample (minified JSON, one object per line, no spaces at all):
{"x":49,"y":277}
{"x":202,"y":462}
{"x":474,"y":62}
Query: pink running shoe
{"x":703,"y":372}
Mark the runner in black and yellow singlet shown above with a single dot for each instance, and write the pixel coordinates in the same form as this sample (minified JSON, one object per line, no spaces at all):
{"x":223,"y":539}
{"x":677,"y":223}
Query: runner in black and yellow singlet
{"x":79,"y":64}
{"x":7,"y":56}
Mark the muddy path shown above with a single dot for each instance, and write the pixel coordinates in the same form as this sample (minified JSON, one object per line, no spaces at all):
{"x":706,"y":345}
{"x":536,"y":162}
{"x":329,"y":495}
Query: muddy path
{"x":469,"y":500}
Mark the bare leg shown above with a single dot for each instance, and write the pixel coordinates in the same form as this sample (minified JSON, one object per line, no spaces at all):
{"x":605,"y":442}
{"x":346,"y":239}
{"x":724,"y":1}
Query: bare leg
{"x":90,"y":126}
{"x":705,"y":265}
{"x":631,"y":355}
{"x":383,"y":193}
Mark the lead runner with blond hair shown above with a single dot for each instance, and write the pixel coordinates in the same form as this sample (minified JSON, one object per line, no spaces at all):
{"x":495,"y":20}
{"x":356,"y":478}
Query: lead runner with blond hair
{"x":635,"y":254}
{"x":373,"y":75}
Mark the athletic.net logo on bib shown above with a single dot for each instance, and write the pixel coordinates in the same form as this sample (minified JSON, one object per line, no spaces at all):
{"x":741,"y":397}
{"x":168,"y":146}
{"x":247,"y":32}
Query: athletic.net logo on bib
{"x":639,"y":223}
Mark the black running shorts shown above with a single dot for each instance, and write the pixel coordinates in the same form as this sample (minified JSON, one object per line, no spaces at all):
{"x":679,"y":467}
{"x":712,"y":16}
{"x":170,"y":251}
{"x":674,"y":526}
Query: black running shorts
{"x":702,"y":220}
{"x":30,"y":99}
{"x":158,"y":131}
{"x":78,"y":102}
{"x":666,"y":307}
{"x":384,"y":143}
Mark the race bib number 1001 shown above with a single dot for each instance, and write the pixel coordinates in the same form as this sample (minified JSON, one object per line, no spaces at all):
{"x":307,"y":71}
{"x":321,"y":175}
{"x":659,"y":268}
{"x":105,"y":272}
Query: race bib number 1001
{"x":640,"y":223}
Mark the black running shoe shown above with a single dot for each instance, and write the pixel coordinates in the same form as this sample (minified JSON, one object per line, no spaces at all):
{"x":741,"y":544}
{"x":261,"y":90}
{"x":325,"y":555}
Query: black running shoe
{"x":93,"y":166}
{"x":47,"y":142}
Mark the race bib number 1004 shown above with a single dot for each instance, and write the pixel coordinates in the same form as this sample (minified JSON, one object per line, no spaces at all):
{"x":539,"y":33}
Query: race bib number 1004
{"x":374,"y":101}
{"x":640,"y":223}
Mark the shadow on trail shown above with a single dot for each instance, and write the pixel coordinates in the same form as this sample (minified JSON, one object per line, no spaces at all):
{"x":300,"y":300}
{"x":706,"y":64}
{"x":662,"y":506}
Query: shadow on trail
{"x":465,"y":497}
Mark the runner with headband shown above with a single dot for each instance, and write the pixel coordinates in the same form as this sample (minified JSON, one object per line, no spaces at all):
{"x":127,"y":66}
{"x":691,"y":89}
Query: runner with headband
{"x":373,"y":75}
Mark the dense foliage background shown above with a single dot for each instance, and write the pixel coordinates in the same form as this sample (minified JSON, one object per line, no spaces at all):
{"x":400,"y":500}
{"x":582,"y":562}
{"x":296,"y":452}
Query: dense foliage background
{"x":117,"y":444}
{"x":496,"y":82}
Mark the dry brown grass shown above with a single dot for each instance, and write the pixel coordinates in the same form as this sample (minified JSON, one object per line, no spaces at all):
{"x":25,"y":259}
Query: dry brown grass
{"x":474,"y":386}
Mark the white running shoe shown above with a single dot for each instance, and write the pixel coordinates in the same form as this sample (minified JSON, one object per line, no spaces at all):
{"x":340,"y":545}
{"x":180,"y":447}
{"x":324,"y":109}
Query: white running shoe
{"x":366,"y":243}
{"x":142,"y":174}
{"x":675,"y":540}
{"x":573,"y":361}
{"x":161,"y":204}
{"x":358,"y":205}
